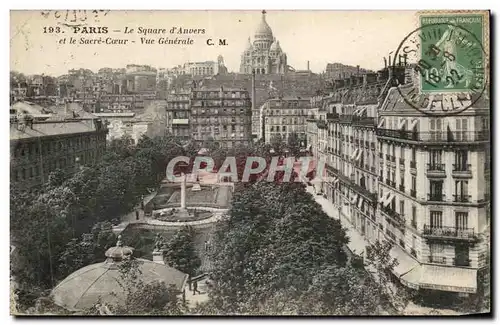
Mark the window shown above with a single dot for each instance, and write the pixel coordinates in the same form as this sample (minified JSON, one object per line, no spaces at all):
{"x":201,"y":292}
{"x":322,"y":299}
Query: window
{"x":402,"y":207}
{"x":461,"y":160}
{"x":461,"y":191}
{"x":413,"y":154}
{"x":461,"y":127}
{"x":436,"y":219}
{"x":461,"y":220}
{"x":435,"y":158}
{"x":436,"y":129}
{"x":413,"y":183}
{"x":414,"y":216}
{"x":437,"y":253}
{"x":436,"y":190}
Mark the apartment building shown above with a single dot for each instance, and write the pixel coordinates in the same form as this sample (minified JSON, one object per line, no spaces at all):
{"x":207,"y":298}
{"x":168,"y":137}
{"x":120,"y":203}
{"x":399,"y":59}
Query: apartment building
{"x":419,"y":181}
{"x":434,"y":192}
{"x":224,"y":115}
{"x":41,"y":147}
{"x":178,"y":113}
{"x":283,"y":116}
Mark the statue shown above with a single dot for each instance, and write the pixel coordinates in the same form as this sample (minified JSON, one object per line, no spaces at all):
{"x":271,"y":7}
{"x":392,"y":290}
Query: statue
{"x":159,"y":242}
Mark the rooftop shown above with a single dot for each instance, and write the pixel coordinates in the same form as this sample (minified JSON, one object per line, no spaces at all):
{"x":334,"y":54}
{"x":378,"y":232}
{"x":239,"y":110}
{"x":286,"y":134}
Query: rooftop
{"x":83,"y":288}
{"x":50,"y":128}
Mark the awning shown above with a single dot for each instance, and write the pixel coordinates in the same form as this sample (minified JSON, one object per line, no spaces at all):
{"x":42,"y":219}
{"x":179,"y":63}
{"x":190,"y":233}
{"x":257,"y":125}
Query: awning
{"x":358,"y":156}
{"x":354,"y":153}
{"x":354,"y":198}
{"x":413,"y":124}
{"x":442,"y":278}
{"x":381,"y":123}
{"x":361,"y":111}
{"x":336,"y":180}
{"x":360,"y":203}
{"x":405,"y":262}
{"x":402,"y":124}
{"x":356,"y":111}
{"x":389,"y":199}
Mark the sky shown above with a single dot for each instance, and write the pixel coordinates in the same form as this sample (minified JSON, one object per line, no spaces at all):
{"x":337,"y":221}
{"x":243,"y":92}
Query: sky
{"x":320,"y":37}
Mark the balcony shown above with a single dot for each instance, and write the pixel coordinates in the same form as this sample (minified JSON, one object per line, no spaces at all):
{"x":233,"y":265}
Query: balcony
{"x":321,"y":124}
{"x":435,"y":197}
{"x":449,"y":233}
{"x":397,"y":134}
{"x":401,"y":188}
{"x":401,"y":161}
{"x":413,"y":164}
{"x":392,"y":184}
{"x":365,"y":121}
{"x":450,"y":137}
{"x":399,"y":219}
{"x":413,"y":193}
{"x":437,"y":259}
{"x":461,"y":171}
{"x":332,"y":116}
{"x":435,"y":170}
{"x":461,"y":198}
{"x":461,"y":262}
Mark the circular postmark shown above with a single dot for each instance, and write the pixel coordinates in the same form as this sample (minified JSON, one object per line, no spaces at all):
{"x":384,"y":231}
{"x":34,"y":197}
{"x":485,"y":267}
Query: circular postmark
{"x":449,"y":68}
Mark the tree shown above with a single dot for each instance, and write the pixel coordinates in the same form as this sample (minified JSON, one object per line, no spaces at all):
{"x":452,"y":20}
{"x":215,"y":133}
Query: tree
{"x":180,"y":252}
{"x":88,"y":249}
{"x":381,"y":265}
{"x":277,"y":143}
{"x":277,"y":237}
{"x":293,"y":144}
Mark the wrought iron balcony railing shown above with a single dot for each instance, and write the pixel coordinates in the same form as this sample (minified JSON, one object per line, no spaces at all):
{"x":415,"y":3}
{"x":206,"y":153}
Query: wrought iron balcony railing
{"x":461,"y":198}
{"x":436,"y":167}
{"x":437,"y":259}
{"x":436,"y":136}
{"x":461,"y":262}
{"x":435,"y":197}
{"x":449,"y":232}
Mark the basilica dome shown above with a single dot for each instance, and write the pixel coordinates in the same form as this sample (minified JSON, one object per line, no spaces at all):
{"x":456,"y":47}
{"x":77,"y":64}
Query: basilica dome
{"x":263,"y":31}
{"x":83,"y":288}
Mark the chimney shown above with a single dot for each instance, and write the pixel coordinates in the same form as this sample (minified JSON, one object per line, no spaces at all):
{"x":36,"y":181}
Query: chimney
{"x":389,"y":61}
{"x":308,"y":66}
{"x":385,"y":62}
{"x":357,"y":67}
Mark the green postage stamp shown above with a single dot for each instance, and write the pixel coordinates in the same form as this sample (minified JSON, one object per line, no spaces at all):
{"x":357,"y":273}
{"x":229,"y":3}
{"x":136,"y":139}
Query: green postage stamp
{"x":453,"y":52}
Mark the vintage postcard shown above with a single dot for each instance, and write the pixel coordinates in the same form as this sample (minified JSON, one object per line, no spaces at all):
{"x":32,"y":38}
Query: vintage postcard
{"x":266,"y":162}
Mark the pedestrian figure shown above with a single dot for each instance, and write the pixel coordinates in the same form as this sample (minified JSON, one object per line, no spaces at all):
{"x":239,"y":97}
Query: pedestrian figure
{"x":195,"y":288}
{"x":136,"y":215}
{"x":142,"y":205}
{"x":206,"y":246}
{"x":189,"y":281}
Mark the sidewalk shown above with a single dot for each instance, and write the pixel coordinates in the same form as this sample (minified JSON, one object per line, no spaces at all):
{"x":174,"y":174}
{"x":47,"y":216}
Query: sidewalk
{"x":357,"y":243}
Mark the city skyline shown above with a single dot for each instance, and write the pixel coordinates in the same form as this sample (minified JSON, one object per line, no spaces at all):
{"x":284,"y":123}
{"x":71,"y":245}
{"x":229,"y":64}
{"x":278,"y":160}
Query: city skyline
{"x":336,"y":36}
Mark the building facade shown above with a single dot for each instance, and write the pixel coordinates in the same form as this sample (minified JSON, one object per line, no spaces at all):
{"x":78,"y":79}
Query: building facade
{"x":41,"y":147}
{"x":178,"y":114}
{"x":264,"y":55}
{"x":207,"y":68}
{"x":284,"y":116}
{"x":223,"y":115}
{"x":399,"y":175}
